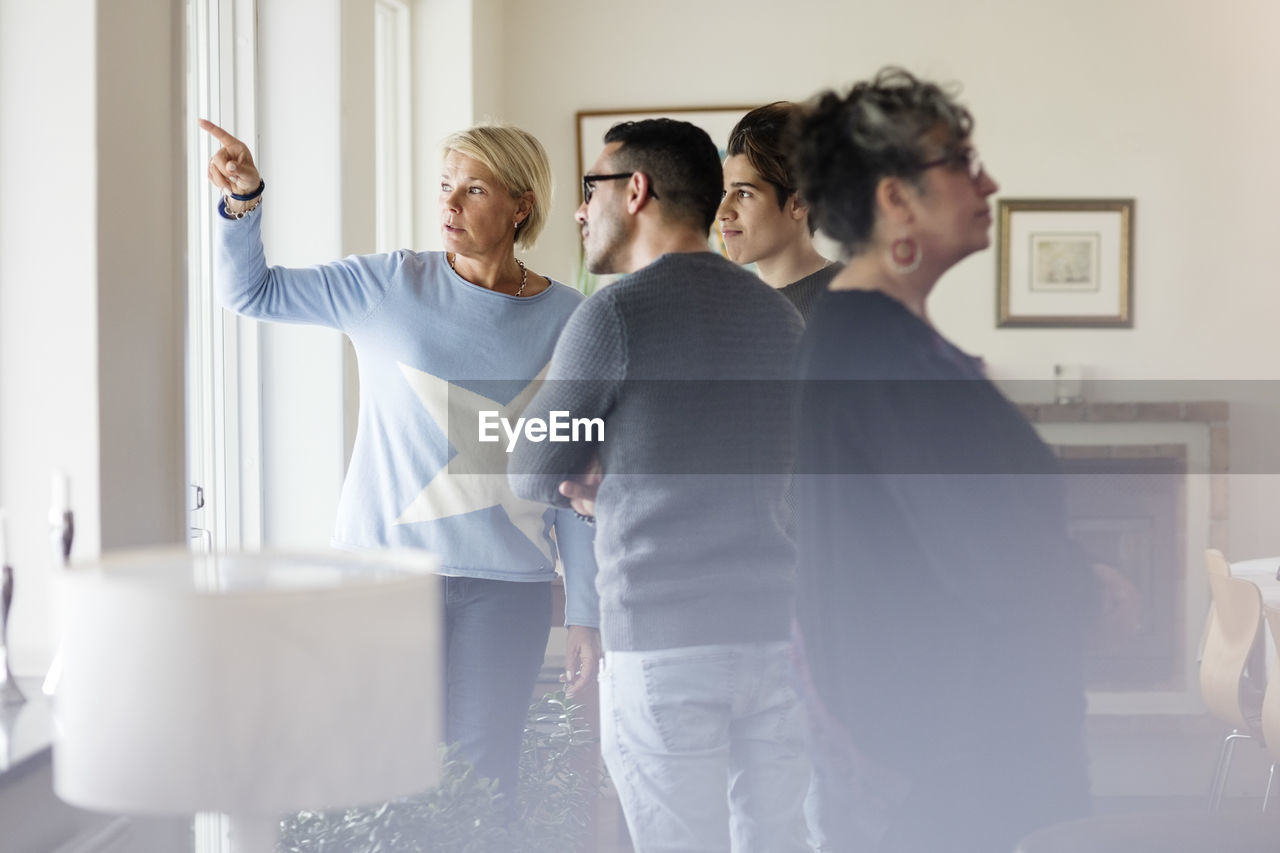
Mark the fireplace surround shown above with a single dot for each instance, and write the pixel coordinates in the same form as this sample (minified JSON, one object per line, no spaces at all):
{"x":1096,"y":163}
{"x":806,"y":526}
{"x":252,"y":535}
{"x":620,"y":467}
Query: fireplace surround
{"x":1147,"y":493}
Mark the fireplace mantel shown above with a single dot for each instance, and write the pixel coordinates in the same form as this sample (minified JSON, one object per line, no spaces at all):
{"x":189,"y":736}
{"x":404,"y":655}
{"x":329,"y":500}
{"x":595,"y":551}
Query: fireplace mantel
{"x":1212,"y":415}
{"x":1162,"y":523}
{"x":1194,"y":411}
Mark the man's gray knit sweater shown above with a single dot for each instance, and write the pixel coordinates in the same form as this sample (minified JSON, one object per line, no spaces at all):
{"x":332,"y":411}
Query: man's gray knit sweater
{"x":688,"y":362}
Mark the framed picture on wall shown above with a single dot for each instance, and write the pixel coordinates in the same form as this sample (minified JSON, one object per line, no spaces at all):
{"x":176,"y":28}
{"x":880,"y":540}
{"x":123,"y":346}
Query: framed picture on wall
{"x":1064,"y":263}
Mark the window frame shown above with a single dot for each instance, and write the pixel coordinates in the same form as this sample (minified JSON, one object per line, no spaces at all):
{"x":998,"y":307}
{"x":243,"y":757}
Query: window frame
{"x":224,"y":434}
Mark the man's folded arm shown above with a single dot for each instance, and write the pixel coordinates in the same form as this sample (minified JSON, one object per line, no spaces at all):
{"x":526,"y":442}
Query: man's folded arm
{"x":581,"y":385}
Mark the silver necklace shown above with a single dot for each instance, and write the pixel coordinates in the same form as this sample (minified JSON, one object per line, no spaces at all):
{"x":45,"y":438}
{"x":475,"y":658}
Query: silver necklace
{"x":524,"y":273}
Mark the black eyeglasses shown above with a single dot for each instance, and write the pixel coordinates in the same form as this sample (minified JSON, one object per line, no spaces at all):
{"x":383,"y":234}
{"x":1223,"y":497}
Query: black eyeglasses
{"x":967,"y":159}
{"x":589,"y":181}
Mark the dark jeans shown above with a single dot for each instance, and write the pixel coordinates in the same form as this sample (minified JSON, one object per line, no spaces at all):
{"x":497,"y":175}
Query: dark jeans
{"x":495,"y":638}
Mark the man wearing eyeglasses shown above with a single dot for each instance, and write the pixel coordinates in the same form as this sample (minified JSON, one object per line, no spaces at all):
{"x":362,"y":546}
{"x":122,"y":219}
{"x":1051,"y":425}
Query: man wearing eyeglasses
{"x":686,"y":360}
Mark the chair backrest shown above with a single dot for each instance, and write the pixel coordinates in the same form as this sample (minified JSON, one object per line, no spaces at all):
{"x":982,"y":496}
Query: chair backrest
{"x":1233,"y":633}
{"x":1216,"y":562}
{"x":1271,"y":701}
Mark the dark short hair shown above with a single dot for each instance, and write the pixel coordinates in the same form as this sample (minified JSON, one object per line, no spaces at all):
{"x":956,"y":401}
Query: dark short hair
{"x":681,"y":162}
{"x":841,"y":147}
{"x":760,"y":137}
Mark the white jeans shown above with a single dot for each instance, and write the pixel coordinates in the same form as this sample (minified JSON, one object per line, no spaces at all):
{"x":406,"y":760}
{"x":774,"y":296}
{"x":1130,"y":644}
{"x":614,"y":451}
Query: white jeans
{"x":706,"y":746}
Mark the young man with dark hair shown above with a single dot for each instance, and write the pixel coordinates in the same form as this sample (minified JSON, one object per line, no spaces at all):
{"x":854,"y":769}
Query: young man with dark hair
{"x":762,"y":218}
{"x":687,"y":487}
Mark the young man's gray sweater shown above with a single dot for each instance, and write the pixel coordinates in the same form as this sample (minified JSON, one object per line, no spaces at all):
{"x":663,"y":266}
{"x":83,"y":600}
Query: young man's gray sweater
{"x":688,"y":362}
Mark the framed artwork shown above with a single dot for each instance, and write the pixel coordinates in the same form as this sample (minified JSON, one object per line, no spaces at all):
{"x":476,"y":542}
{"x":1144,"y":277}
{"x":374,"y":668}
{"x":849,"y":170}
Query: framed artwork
{"x":1065,"y":263}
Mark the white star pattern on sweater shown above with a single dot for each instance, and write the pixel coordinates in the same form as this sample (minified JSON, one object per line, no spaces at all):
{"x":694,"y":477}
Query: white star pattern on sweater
{"x":467,"y":482}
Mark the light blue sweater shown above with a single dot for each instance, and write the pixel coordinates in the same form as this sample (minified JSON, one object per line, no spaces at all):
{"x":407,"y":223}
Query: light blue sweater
{"x":432,"y":350}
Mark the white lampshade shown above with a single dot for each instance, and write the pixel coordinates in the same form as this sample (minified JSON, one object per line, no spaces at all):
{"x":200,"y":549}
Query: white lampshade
{"x":251,"y":684}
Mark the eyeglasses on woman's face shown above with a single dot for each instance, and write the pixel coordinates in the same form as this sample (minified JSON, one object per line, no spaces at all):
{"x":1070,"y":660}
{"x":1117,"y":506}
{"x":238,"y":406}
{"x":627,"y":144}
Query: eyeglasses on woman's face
{"x":966,"y":159}
{"x":589,"y":184}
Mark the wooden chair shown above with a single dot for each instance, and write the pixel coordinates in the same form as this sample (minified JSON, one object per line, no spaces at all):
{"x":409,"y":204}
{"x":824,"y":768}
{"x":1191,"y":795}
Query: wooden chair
{"x":1216,"y":563}
{"x":1229,"y":692}
{"x":1271,"y":701}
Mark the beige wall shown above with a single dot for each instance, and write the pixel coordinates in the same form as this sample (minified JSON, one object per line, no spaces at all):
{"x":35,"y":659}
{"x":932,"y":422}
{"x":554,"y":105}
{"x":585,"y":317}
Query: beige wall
{"x":1169,"y":102}
{"x":93,"y":278}
{"x":91,"y":285}
{"x":1166,"y":101}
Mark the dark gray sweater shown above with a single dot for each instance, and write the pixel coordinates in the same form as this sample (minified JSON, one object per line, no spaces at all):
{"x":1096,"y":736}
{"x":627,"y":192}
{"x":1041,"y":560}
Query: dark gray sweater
{"x":804,"y":292}
{"x":687,"y":361}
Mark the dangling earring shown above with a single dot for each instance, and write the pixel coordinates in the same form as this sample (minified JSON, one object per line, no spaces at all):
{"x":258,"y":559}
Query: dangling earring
{"x":905,"y":255}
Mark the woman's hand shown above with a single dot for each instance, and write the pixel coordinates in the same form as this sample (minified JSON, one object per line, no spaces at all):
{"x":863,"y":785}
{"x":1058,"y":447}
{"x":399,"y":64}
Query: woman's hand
{"x":1121,"y":606}
{"x":231,"y":168}
{"x":582,"y":653}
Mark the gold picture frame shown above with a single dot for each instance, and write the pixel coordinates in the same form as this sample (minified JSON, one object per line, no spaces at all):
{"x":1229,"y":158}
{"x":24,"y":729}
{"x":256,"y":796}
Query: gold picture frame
{"x":1064,"y":263}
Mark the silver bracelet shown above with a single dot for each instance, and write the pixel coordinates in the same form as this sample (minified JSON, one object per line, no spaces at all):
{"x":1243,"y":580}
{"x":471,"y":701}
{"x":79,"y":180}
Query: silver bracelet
{"x":229,"y":214}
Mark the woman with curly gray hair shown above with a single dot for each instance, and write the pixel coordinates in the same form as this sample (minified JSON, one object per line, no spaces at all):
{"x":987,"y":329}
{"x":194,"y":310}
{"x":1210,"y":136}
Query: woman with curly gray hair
{"x":941,"y":605}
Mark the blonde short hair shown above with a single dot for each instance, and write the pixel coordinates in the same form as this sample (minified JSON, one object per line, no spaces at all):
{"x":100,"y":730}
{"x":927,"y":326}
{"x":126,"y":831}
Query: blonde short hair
{"x":517,"y":159}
